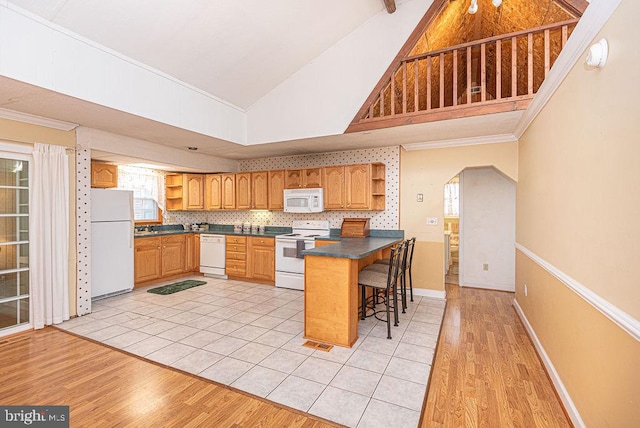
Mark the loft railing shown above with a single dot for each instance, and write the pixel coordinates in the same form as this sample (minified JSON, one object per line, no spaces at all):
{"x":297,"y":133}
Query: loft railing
{"x":505,"y":68}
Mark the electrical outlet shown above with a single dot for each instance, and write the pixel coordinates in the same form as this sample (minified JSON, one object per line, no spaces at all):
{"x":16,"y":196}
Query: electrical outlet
{"x":526,"y":292}
{"x":432,"y":221}
{"x":485,"y":266}
{"x":420,"y":197}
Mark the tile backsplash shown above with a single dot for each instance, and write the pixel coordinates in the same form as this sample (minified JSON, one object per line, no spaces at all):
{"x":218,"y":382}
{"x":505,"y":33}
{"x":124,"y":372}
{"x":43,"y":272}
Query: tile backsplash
{"x":387,"y":219}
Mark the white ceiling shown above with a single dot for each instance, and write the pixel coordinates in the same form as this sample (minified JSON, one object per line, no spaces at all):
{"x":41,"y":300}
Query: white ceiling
{"x":237,"y":50}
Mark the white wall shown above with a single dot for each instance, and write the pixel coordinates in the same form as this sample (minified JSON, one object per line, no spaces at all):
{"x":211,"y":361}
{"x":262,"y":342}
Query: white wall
{"x":323,"y":97}
{"x":40,"y":53}
{"x":487,"y":225}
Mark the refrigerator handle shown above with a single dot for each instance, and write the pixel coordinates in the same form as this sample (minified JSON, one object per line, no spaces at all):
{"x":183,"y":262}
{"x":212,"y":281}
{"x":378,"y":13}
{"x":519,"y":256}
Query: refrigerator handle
{"x":133,"y":219}
{"x":132,"y":223}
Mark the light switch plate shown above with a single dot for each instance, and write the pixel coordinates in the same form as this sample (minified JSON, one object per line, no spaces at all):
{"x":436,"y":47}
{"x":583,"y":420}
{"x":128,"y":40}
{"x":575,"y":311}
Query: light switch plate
{"x":432,"y":221}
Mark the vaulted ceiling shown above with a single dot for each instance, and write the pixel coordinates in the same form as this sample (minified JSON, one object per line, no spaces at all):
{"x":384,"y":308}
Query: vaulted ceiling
{"x":237,"y":50}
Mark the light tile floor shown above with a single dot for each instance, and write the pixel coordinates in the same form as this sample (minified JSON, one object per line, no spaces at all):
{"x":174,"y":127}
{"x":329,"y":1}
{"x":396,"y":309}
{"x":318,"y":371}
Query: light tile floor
{"x":250,"y":336}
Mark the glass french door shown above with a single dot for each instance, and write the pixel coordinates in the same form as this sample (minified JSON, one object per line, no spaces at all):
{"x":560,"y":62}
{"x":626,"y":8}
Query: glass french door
{"x":14,"y":244}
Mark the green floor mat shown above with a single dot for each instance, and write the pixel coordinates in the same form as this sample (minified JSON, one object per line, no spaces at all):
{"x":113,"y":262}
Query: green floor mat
{"x":175,"y":287}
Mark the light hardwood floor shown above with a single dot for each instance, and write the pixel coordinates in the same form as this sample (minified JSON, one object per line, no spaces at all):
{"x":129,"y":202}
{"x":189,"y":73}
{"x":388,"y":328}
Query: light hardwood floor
{"x":107,"y":388}
{"x":486,"y":372}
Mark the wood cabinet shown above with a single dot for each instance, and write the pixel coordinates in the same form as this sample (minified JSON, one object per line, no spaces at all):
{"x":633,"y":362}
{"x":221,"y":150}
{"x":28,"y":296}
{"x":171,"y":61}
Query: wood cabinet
{"x":346,"y":187}
{"x":358,"y":187}
{"x":276,"y":189}
{"x":147,"y":259}
{"x":243,"y":191}
{"x":160,"y":257}
{"x":260,"y":190}
{"x":334,"y":191}
{"x":303,"y":178}
{"x":213,"y":192}
{"x":173,"y":191}
{"x":192,"y":259}
{"x":236,"y":252}
{"x":104,"y":175}
{"x":184,"y":191}
{"x":173,"y":254}
{"x":262,"y":258}
{"x":228,"y":190}
{"x":354,"y":187}
{"x":193,"y":192}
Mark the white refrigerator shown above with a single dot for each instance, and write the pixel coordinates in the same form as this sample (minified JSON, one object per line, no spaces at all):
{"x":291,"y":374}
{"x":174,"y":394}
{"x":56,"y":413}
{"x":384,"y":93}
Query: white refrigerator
{"x":112,"y":227}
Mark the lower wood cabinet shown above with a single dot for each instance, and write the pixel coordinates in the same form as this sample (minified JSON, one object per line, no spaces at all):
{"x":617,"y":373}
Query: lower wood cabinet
{"x":236,"y":261}
{"x":147,"y":259}
{"x":262,"y":258}
{"x":251,"y":258}
{"x":159,"y":257}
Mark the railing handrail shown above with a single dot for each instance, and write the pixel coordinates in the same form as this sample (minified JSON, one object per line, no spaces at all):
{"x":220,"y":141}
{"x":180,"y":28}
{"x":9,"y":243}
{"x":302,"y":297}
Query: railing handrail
{"x":490,"y":39}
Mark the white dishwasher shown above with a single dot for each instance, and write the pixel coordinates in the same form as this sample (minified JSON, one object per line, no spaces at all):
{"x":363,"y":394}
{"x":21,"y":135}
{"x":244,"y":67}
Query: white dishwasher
{"x":212,"y":255}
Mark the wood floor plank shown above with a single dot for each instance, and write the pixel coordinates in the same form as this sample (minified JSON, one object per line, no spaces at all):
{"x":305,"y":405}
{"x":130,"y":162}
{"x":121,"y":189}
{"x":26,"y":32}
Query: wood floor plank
{"x":107,"y":388}
{"x":486,"y":372}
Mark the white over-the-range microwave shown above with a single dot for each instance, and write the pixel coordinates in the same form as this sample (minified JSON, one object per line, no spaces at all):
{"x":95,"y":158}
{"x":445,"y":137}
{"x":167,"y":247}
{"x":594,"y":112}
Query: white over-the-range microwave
{"x":303,"y":200}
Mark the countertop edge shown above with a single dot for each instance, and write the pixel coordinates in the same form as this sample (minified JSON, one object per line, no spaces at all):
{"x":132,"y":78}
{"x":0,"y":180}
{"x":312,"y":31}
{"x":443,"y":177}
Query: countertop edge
{"x":348,"y":248}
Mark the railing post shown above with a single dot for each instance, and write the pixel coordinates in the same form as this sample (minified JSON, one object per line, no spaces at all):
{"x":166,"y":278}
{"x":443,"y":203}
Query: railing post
{"x":416,"y":92}
{"x":514,"y":67}
{"x":498,"y":69}
{"x":404,"y":87}
{"x":455,"y":77}
{"x":469,"y":75}
{"x":530,"y":64}
{"x":428,"y":83}
{"x":483,"y":72}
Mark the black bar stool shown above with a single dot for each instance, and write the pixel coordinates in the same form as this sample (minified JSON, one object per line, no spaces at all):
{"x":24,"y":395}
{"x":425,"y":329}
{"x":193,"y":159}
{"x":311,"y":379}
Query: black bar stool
{"x":379,"y":282}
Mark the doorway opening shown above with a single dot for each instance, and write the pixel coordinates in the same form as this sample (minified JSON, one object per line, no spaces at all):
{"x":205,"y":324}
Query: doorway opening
{"x":452,"y":230}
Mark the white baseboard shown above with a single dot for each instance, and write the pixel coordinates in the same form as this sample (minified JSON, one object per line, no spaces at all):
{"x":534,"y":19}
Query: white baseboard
{"x":569,"y":406}
{"x":490,"y":286}
{"x":432,"y":294}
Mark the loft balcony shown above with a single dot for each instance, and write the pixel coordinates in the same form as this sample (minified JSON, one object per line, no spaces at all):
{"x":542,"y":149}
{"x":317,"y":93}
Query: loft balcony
{"x":491,"y":75}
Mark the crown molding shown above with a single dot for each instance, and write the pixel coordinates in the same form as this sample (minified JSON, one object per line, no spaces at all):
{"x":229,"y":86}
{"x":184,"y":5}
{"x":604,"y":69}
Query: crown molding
{"x":36,"y":120}
{"x":471,"y":141}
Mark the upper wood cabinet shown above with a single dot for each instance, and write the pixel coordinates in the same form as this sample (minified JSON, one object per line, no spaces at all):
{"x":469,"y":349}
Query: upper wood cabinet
{"x":348,"y":187}
{"x":260,"y":190}
{"x":194,"y":188}
{"x":184,"y":191}
{"x":354,"y":187}
{"x":213,"y":192}
{"x":276,"y":189}
{"x":243,"y":191}
{"x":104,"y":175}
{"x":334,"y":191}
{"x":228,"y":191}
{"x":306,"y":177}
{"x":358,"y":187}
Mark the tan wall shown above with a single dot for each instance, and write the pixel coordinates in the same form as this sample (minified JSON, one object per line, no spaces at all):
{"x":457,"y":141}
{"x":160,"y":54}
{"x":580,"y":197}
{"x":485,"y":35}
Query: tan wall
{"x":426,"y":172}
{"x":27,"y":134}
{"x":597,"y":361}
{"x":578,"y":209}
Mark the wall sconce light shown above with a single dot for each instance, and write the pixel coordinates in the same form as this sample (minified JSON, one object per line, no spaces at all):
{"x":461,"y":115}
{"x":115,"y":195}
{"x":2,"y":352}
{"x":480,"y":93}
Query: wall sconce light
{"x":474,"y":7}
{"x":598,"y":53}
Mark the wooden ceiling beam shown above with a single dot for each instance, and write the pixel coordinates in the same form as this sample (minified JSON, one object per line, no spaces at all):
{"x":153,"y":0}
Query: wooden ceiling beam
{"x":574,"y":7}
{"x":390,"y":5}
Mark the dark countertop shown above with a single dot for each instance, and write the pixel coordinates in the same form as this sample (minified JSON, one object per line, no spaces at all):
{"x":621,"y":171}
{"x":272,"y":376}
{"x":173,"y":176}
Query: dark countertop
{"x":201,"y":232}
{"x":352,"y":248}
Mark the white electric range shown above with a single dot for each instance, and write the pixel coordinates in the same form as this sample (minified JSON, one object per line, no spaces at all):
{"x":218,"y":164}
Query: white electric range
{"x":289,"y":261}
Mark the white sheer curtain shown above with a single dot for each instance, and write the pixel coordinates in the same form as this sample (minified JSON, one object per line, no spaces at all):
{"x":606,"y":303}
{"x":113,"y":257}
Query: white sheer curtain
{"x":49,"y":235}
{"x":144,"y":182}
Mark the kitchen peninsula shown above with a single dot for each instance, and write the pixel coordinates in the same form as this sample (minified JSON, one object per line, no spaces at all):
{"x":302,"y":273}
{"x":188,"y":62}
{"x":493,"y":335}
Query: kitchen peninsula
{"x":331,"y":284}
